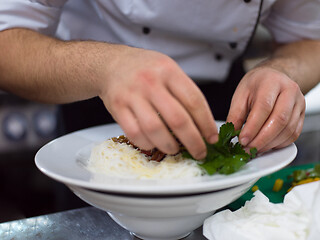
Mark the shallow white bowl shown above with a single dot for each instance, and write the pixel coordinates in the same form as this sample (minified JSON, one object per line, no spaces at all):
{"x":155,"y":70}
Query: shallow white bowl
{"x":151,"y":209}
{"x":161,"y":217}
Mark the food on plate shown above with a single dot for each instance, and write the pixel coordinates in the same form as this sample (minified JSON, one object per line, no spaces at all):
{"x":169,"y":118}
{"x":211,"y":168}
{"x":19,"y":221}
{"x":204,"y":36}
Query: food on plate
{"x":152,"y":155}
{"x":225,"y":157}
{"x":119,"y":157}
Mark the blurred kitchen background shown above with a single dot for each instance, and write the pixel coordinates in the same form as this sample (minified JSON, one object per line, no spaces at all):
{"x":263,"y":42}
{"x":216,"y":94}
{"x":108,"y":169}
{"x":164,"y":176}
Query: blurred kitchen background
{"x":26,"y":126}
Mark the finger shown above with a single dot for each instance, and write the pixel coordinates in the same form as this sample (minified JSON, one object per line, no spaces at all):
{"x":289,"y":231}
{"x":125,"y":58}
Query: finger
{"x":288,"y":133}
{"x":295,"y":135}
{"x":128,"y":122}
{"x":192,"y":99}
{"x":180,"y":122}
{"x":263,"y":105}
{"x":277,"y":121}
{"x":153,"y":127}
{"x":239,"y":108}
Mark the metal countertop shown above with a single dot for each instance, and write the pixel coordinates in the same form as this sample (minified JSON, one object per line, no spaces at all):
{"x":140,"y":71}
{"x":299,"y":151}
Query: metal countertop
{"x":80,"y":224}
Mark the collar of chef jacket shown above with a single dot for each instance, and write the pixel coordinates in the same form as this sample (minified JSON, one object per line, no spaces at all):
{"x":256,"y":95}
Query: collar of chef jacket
{"x":203,"y":36}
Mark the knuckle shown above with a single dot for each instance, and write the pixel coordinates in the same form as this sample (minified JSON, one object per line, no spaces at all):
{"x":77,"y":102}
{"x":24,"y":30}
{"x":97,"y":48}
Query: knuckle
{"x":150,"y":77}
{"x":118,"y":101}
{"x":165,"y":63}
{"x":282,"y":119}
{"x":194,"y":102}
{"x":295,"y":86}
{"x":267,"y":104}
{"x":290,"y":132}
{"x":165,"y":66}
{"x":259,"y":143}
{"x":237,"y":120}
{"x":151,"y":126}
{"x":115,"y":105}
{"x":177,"y":122}
{"x":146,"y":78}
{"x":295,"y":89}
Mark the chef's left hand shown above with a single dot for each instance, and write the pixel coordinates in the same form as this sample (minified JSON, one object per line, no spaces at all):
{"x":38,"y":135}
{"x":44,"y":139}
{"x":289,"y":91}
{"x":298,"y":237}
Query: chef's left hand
{"x":272,"y":107}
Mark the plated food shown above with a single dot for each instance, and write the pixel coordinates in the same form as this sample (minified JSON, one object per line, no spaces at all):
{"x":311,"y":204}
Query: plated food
{"x":66,"y":158}
{"x":118,"y":157}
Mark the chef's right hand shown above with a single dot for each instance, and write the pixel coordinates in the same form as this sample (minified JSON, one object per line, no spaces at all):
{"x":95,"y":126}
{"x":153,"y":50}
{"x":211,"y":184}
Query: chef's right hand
{"x":147,"y":93}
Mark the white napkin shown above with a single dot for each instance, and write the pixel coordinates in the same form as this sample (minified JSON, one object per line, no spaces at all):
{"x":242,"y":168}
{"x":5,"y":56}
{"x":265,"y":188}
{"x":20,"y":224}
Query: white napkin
{"x":297,"y":218}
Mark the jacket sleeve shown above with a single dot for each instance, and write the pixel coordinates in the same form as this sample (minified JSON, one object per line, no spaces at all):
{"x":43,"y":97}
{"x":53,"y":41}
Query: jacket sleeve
{"x":294,"y":20}
{"x":39,"y":15}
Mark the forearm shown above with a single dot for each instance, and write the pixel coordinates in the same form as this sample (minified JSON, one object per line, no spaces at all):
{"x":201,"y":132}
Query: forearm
{"x":300,"y":61}
{"x":45,"y":69}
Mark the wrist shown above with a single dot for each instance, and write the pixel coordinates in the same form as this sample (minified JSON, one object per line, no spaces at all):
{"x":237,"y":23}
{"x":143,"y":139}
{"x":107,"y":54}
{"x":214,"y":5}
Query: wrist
{"x":87,"y":65}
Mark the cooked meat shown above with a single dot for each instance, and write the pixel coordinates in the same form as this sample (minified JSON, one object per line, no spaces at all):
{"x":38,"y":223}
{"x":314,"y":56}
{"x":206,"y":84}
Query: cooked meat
{"x":152,"y":155}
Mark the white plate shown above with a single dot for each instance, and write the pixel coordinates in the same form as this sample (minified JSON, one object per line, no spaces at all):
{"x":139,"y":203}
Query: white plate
{"x":64,"y":158}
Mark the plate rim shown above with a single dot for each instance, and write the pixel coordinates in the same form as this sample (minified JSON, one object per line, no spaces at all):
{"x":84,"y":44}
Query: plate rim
{"x":177,"y":189}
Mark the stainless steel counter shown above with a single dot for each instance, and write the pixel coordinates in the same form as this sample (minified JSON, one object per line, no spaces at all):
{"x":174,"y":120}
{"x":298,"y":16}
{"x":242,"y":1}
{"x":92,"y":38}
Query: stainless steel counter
{"x":81,"y":224}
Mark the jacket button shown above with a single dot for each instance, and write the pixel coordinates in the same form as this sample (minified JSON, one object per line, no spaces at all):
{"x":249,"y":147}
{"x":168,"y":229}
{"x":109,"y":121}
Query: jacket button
{"x":218,"y":57}
{"x":146,"y":30}
{"x":233,"y":45}
{"x":247,"y":1}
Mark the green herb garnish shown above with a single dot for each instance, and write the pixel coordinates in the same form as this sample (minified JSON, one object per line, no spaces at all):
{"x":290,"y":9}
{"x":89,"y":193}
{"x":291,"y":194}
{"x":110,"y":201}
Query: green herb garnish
{"x":225,"y":157}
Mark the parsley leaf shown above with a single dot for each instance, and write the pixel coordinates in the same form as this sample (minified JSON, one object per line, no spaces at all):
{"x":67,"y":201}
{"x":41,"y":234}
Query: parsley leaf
{"x":225,"y":157}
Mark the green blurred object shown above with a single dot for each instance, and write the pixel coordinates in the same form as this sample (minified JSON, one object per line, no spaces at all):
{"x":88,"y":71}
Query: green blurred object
{"x":266,"y":183}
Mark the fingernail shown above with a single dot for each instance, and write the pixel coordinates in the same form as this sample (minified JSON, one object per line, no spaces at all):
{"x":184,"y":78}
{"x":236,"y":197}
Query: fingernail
{"x":213,"y":139}
{"x":247,"y":150}
{"x":201,"y":155}
{"x":244,"y":141}
{"x":172,"y":148}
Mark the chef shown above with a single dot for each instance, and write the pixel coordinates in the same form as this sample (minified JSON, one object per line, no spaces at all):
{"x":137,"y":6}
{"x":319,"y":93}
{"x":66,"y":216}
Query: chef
{"x":160,"y":65}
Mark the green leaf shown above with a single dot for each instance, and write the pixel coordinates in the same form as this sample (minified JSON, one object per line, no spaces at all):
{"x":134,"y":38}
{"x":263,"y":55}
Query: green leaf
{"x":253,"y":152}
{"x":213,"y":164}
{"x":236,"y":133}
{"x":224,"y":157}
{"x":238,"y":149}
{"x":232,"y":164}
{"x":226,"y":133}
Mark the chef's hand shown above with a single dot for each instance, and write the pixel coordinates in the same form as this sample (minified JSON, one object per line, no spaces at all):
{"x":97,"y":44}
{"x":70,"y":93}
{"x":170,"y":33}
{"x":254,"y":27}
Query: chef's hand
{"x":272,"y":107}
{"x":147,"y":94}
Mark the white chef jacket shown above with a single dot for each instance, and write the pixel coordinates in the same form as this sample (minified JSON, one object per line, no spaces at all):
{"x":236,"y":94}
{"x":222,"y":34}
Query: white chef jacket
{"x":202,"y":36}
